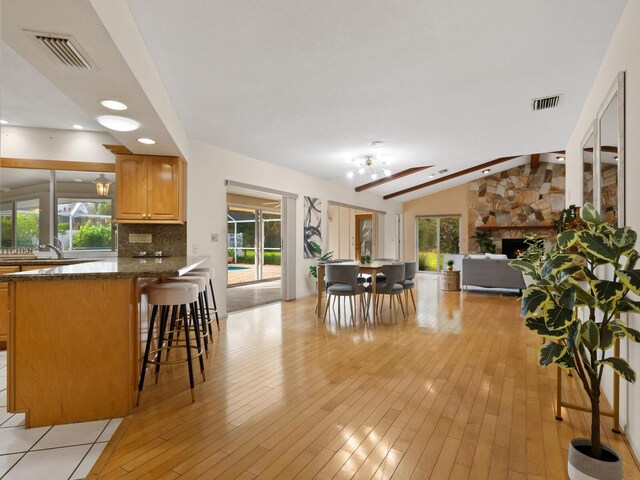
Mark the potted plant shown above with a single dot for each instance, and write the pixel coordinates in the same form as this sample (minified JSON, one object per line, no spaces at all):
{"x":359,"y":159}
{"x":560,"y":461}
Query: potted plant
{"x":592,"y":270}
{"x":450,"y":265}
{"x":229,"y":255}
{"x":315,"y":248}
{"x":484,"y":241}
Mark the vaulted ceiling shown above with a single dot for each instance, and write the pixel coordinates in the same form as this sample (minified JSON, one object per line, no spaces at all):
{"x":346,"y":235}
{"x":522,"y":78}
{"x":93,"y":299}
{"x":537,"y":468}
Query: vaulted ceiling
{"x":308,"y":85}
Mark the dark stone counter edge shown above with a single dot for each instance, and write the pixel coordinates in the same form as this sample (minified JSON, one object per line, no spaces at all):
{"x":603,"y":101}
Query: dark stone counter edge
{"x":45,"y":262}
{"x":46,"y":275}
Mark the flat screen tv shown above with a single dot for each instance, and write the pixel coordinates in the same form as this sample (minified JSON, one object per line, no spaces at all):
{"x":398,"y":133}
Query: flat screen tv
{"x":512,"y":247}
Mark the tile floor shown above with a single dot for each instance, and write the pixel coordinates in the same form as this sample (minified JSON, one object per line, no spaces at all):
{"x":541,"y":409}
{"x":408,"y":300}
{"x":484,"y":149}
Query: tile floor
{"x":63,"y":452}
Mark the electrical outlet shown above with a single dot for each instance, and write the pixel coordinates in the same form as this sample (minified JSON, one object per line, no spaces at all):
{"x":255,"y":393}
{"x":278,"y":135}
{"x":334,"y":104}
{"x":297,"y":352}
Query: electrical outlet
{"x":214,"y":237}
{"x":194,"y":249}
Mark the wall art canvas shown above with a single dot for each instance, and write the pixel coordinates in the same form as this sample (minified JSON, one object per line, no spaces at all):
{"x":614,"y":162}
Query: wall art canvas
{"x":312,"y":234}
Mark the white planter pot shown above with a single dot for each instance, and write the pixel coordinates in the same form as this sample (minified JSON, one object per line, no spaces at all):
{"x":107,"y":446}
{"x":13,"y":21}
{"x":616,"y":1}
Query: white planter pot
{"x":583,"y":467}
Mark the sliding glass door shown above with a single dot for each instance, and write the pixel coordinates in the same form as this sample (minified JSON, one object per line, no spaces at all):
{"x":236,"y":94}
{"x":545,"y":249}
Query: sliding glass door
{"x":254,"y":243}
{"x":435,"y":237}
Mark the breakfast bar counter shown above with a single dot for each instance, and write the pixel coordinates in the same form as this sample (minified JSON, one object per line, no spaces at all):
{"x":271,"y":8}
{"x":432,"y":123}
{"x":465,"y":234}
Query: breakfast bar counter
{"x":75,"y":331}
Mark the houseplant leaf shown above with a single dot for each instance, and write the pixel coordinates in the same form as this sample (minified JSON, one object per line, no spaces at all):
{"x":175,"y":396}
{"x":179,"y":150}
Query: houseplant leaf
{"x":631,"y":279}
{"x":590,"y":215}
{"x":596,"y":244}
{"x":568,"y":298}
{"x":553,"y":265}
{"x":525,"y":267}
{"x":607,"y":293}
{"x":624,"y":238}
{"x":583,"y":298}
{"x":621,"y":367}
{"x":619,"y":329}
{"x":566,"y":239}
{"x":550,"y":353}
{"x":626,"y":305}
{"x":590,"y":335}
{"x":557,"y":317}
{"x":533,"y":300}
{"x":538,"y":325}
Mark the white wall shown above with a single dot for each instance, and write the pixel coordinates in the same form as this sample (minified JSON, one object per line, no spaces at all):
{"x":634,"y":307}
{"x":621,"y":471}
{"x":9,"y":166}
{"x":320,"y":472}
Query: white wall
{"x":50,"y":144}
{"x":208,"y":168}
{"x":622,"y":55}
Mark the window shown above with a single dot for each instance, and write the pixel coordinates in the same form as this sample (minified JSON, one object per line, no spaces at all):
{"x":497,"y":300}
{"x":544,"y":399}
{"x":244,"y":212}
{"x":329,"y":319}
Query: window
{"x":85,"y":224}
{"x":436,"y":236}
{"x":37,"y":205}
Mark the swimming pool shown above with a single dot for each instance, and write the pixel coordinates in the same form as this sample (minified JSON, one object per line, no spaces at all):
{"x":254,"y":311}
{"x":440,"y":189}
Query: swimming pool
{"x":232,"y":267}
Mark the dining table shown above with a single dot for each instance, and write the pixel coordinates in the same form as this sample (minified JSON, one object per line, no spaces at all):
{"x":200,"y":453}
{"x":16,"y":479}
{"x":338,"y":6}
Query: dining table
{"x":371,"y":268}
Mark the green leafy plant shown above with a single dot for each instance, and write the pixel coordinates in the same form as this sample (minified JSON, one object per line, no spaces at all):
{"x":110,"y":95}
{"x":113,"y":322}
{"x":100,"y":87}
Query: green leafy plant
{"x":567,"y":216}
{"x":484,"y":241}
{"x":92,"y":236}
{"x":592,"y":270}
{"x":314,"y":247}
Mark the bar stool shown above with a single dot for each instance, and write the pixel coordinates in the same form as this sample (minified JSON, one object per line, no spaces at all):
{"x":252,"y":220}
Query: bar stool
{"x":177,"y":296}
{"x":200,"y":320}
{"x":213,"y":295}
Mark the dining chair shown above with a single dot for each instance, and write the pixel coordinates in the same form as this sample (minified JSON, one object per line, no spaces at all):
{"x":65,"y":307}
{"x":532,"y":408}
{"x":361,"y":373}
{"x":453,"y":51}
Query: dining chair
{"x":343,"y":282}
{"x":410,"y":269}
{"x":392,"y":286}
{"x":380,"y":276}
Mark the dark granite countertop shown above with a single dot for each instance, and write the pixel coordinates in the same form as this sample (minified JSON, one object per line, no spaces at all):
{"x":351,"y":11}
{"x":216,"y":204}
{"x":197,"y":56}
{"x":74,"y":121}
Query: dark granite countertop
{"x":10,"y":262}
{"x":120,"y":267}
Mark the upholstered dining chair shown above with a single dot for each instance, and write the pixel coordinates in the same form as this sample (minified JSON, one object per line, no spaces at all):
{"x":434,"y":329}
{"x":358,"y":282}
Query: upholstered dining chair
{"x":410,"y":269}
{"x":342,"y":281}
{"x":392,"y":286}
{"x":380,"y":276}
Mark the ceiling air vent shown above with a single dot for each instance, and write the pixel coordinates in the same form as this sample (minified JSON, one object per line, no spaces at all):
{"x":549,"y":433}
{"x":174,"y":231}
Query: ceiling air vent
{"x":443,"y":171}
{"x":544,"y":103}
{"x":64,"y":50}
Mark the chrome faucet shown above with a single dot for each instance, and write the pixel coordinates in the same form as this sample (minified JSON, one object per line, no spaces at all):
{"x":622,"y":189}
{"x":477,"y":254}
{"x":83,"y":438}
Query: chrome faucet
{"x":56,"y":247}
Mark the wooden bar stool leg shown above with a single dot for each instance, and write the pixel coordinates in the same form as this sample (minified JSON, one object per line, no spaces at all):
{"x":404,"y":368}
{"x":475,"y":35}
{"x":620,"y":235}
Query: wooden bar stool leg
{"x":208,"y":311}
{"x":215,"y":306}
{"x":183,"y":309}
{"x":147,"y":347}
{"x":198,"y":342}
{"x":164,"y":318}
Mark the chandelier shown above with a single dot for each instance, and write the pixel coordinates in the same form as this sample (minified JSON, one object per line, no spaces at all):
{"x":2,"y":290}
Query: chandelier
{"x":371,"y":165}
{"x":102,"y":185}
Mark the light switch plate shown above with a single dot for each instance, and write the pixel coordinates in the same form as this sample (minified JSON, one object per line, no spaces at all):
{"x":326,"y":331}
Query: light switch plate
{"x":140,"y":238}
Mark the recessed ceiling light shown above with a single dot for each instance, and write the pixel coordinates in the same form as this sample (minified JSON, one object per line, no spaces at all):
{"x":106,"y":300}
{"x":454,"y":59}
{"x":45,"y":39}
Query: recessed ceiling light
{"x":377,"y":143}
{"x":561,"y":159}
{"x":3,"y":122}
{"x":117,"y":123}
{"x":77,"y":179}
{"x":147,"y":141}
{"x":486,"y":170}
{"x":77,"y":126}
{"x":432,"y":175}
{"x":113,"y":105}
{"x":349,"y":174}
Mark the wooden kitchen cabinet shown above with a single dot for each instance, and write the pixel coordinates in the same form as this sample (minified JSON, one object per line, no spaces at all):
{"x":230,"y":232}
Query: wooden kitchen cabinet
{"x":149,"y":189}
{"x":4,"y":307}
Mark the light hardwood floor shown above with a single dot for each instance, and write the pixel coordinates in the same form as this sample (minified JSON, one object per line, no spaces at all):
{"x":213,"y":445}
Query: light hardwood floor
{"x":453,"y":392}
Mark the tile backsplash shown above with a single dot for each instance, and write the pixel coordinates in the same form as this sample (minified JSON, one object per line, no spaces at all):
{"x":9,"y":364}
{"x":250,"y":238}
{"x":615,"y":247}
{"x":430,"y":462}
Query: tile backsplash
{"x":136,"y":237}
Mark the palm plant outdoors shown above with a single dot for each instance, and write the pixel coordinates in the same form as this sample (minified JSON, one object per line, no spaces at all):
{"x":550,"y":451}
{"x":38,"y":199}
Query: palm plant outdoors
{"x":591,"y":271}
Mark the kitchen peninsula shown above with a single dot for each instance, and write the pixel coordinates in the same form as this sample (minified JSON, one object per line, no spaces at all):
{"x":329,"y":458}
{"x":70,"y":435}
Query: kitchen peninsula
{"x":74,"y":337}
